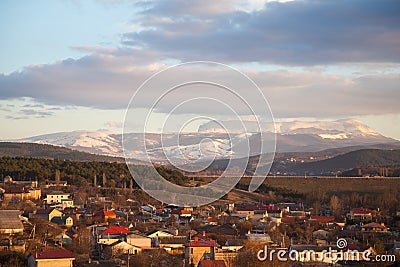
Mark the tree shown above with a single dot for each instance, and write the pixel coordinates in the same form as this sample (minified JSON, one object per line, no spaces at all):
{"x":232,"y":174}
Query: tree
{"x":336,"y":206}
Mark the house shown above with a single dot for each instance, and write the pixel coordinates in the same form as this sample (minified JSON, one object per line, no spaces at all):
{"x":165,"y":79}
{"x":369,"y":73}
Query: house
{"x":15,"y":191}
{"x":118,"y":248}
{"x":324,"y":220}
{"x":225,"y":230}
{"x":159,"y":233}
{"x":199,"y":249}
{"x":233,"y":245}
{"x":374,"y":227}
{"x":12,"y":244}
{"x":104,"y":215}
{"x":56,"y":184}
{"x":247,"y":210}
{"x":64,"y":220}
{"x":288,"y":219}
{"x":35,"y":193}
{"x":180,"y":214}
{"x":210,"y":221}
{"x":115,"y":230}
{"x":113,"y":233}
{"x":56,"y":197}
{"x":358,"y":215}
{"x":10,"y":222}
{"x":51,"y":257}
{"x":259,"y":237}
{"x":138,"y":240}
{"x":275,"y":213}
{"x":67,"y":203}
{"x":173,"y":245}
{"x":48,"y":214}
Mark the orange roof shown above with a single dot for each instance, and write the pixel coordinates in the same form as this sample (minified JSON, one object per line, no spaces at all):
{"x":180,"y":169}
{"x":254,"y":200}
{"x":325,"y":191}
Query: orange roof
{"x":211,"y":219}
{"x":185,"y":212}
{"x":106,"y":213}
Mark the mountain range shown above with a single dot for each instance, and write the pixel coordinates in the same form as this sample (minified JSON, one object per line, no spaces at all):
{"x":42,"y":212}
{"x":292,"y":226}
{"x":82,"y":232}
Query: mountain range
{"x":295,"y":136}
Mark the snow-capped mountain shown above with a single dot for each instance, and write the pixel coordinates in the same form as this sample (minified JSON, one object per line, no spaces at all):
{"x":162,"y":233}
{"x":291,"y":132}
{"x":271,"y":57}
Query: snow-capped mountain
{"x":97,"y":142}
{"x":339,"y":129}
{"x":211,"y":142}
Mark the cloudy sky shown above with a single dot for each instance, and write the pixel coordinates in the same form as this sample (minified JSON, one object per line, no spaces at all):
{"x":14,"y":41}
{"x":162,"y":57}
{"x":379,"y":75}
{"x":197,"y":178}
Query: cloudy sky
{"x":73,"y":65}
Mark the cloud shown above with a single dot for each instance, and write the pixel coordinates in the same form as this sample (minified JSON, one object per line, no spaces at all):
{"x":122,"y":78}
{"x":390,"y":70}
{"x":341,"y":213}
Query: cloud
{"x":16,"y":117}
{"x":36,"y":113}
{"x":294,"y":33}
{"x":315,"y":34}
{"x":33,"y":106}
{"x":97,"y":80}
{"x":107,"y":81}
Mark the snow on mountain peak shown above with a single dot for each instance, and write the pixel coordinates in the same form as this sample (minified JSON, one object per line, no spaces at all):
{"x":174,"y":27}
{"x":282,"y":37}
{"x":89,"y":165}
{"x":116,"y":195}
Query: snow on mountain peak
{"x":339,"y":128}
{"x":211,"y":141}
{"x":329,"y":129}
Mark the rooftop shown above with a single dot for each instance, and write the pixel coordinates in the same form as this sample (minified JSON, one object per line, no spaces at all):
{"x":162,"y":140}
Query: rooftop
{"x":52,"y":254}
{"x":201,"y":243}
{"x":9,"y":219}
{"x":115,"y":230}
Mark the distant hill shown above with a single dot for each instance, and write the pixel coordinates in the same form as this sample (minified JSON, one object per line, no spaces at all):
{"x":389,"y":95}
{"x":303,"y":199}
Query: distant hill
{"x":354,"y":159}
{"x":326,"y":162}
{"x":31,"y":150}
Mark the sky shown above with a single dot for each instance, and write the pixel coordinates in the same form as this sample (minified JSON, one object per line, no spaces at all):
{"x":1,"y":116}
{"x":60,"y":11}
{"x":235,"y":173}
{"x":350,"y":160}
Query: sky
{"x":74,"y":65}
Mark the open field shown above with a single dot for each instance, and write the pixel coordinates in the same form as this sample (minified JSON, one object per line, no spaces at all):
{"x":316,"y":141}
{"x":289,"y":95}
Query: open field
{"x":338,"y":185}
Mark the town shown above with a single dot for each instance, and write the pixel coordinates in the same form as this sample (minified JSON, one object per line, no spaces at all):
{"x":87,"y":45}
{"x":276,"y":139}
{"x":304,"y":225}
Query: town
{"x":55,"y":223}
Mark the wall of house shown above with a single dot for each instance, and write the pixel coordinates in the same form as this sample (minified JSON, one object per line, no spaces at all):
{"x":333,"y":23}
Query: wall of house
{"x":139,"y":242}
{"x":196,"y":254}
{"x":49,"y":263}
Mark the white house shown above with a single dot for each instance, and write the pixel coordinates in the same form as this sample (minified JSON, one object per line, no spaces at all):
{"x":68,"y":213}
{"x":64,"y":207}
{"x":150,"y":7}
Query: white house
{"x":56,"y":197}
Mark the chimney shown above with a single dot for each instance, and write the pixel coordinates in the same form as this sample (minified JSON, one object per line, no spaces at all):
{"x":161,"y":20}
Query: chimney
{"x":196,"y":239}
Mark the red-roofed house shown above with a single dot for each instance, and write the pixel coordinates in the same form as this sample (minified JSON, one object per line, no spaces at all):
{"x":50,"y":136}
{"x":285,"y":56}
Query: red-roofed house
{"x":268,"y":207}
{"x":288,"y":219}
{"x":115,"y":230}
{"x":323,"y":219}
{"x":198,"y":249}
{"x":51,"y":257}
{"x":210,"y":221}
{"x":186,"y":213}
